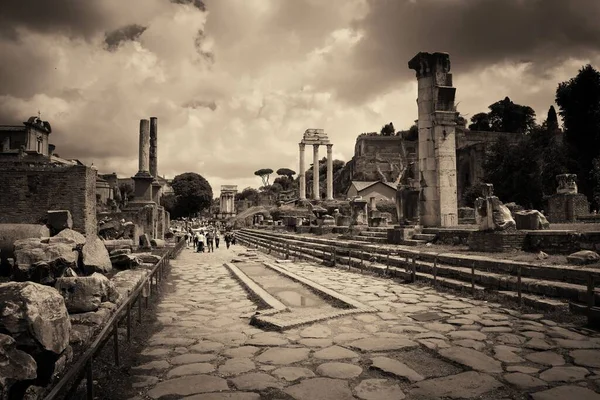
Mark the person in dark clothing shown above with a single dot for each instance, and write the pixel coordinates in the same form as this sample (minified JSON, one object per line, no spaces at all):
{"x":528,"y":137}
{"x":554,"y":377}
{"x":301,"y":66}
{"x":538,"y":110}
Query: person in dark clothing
{"x":233,"y":238}
{"x":227,"y":239}
{"x":217,"y":239}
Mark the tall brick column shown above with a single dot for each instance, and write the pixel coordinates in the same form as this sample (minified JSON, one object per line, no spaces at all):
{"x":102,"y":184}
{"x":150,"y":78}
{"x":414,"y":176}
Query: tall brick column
{"x":437,"y":148}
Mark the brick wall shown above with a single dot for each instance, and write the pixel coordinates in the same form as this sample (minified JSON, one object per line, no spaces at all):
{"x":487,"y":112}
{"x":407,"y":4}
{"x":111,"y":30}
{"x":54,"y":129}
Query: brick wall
{"x":30,"y":190}
{"x":566,"y":207}
{"x":496,"y":242}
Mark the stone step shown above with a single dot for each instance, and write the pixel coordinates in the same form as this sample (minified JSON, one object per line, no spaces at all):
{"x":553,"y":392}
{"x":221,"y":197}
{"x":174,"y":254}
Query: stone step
{"x":383,"y":229}
{"x":373,"y":234}
{"x":370,"y":239}
{"x":413,"y":242}
{"x":424,"y":236}
{"x":495,"y":281}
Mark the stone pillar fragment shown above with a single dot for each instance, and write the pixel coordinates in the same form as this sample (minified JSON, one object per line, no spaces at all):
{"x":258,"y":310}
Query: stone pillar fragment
{"x":301,"y":174}
{"x":316,"y":194}
{"x":144,"y":156}
{"x":154,"y":146}
{"x":329,"y":172}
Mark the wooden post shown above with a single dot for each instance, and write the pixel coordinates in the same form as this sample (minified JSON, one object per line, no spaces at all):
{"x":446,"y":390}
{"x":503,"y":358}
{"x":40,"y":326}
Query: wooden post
{"x":387,"y":264}
{"x":473,"y":278}
{"x":519,"y":295}
{"x":591,"y":300}
{"x":435,"y":271}
{"x":334,"y":256}
{"x":89,"y":379}
{"x":287,"y":251}
{"x":414,"y":269}
{"x":116,"y":341}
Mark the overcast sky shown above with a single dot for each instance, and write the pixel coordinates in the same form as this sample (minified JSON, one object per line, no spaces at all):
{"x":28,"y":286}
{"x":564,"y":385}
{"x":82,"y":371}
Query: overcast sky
{"x":234,"y":83}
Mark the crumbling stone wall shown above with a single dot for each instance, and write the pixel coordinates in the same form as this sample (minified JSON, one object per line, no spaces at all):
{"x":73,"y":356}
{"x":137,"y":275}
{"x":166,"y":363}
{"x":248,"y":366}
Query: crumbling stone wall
{"x":30,"y":190}
{"x":567,"y":207}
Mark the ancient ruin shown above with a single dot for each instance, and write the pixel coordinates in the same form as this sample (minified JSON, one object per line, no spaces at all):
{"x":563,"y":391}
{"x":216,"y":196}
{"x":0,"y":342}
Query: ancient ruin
{"x":227,"y":201}
{"x":316,"y":138}
{"x":567,"y":204}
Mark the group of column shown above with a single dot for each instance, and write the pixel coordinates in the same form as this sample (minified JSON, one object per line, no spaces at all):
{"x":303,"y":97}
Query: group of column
{"x":302,"y":177}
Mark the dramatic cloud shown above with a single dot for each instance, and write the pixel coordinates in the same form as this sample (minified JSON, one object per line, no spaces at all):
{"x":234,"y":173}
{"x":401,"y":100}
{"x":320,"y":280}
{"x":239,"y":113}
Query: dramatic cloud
{"x":234,"y":83}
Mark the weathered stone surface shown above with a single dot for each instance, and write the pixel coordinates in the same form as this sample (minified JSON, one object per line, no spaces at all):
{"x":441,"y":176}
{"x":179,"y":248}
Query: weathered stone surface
{"x":382,"y":344}
{"x":256,"y":381}
{"x":566,"y":392}
{"x":152,"y":365}
{"x":225,"y":396}
{"x":473,"y":335}
{"x":188,"y":358}
{"x":95,"y":257}
{"x":378,"y":389}
{"x":283,"y":356}
{"x":75,"y":236}
{"x":235,"y":366}
{"x":509,"y":338}
{"x":474,"y":344}
{"x":188,"y":385}
{"x":339,"y":370}
{"x":539,"y":344}
{"x":397,"y":368}
{"x":524,"y":381}
{"x":43,"y":262}
{"x":157,"y":243}
{"x":142,"y":381}
{"x":262,"y":339}
{"x":148,"y":258}
{"x":10,"y":233}
{"x":334,"y":353}
{"x":291,"y":374}
{"x":191,"y":369}
{"x":317,"y":332}
{"x":15,"y":365}
{"x":583,"y":257}
{"x":587,"y":358}
{"x":507,"y":354}
{"x":320,"y":388}
{"x":86,"y":293}
{"x":59,"y":220}
{"x":243,"y":352}
{"x":564,"y":374}
{"x":546,"y":358}
{"x":125,"y":261}
{"x":467,"y":385}
{"x":35,"y":316}
{"x":472,"y":358}
{"x":316,"y":342}
{"x":522,"y":368}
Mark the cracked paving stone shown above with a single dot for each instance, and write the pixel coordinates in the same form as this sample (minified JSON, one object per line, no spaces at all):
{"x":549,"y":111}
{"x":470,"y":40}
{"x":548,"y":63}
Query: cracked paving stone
{"x":153,"y":365}
{"x":507,"y":354}
{"x":166,"y":341}
{"x":316,"y":342}
{"x":283,"y":356}
{"x":378,"y":389}
{"x":439,"y":327}
{"x":188,"y":385}
{"x":192,"y":358}
{"x":576,"y":344}
{"x":316,"y":332}
{"x":546,"y":358}
{"x":587,"y":358}
{"x":539,"y":344}
{"x":225,"y":396}
{"x":292,"y":374}
{"x":156,"y":352}
{"x":207,"y":346}
{"x":460,"y":321}
{"x":382,"y":344}
{"x":339,"y":370}
{"x":334,"y":353}
{"x":191,"y":369}
{"x":466,"y":385}
{"x":496,"y":329}
{"x":235,"y":366}
{"x":320,"y":388}
{"x":471,"y":358}
{"x":474,"y":335}
{"x":522,"y":368}
{"x":397,"y":368}
{"x":510,"y":338}
{"x":256,"y":381}
{"x":524,"y":381}
{"x":564,"y":374}
{"x":474,"y":344}
{"x":267,"y":340}
{"x":241,"y":352}
{"x":430,"y":335}
{"x":533,"y":334}
{"x":142,"y":381}
{"x":566,"y":392}
{"x":434,"y":344}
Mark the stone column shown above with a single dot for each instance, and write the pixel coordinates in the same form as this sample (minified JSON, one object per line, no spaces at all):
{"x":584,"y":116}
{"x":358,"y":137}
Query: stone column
{"x":316,"y":194}
{"x":301,"y":175}
{"x":144,"y":161}
{"x":437,"y":148}
{"x":329,"y":172}
{"x":154,"y":146}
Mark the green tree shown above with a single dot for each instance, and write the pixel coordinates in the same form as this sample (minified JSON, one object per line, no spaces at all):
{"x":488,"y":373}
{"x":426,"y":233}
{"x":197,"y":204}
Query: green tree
{"x":595,"y":178}
{"x":264,"y":174}
{"x":480,"y":122}
{"x":506,"y":116}
{"x":388,"y":130}
{"x":194,"y":193}
{"x":286,"y":172}
{"x":579,"y":102}
{"x":249,"y":194}
{"x":552,"y":120}
{"x":169,"y":202}
{"x":126,"y":190}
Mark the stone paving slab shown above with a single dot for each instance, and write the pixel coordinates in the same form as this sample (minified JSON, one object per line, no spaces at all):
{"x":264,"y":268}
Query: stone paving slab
{"x":421,"y":344}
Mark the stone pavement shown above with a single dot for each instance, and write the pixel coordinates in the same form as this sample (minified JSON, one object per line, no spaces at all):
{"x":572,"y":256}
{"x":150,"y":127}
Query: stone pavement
{"x":421,"y":345}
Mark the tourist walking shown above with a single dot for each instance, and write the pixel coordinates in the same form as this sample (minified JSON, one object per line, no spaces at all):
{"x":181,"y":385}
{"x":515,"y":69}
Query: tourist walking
{"x":227,"y":239}
{"x":217,"y":238}
{"x":201,"y":239}
{"x":209,"y":241}
{"x":233,"y":238}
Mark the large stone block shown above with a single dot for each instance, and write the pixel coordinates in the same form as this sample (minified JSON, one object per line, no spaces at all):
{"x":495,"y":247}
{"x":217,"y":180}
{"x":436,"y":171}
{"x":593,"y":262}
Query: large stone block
{"x":15,"y":365}
{"x":531,"y":220}
{"x":59,"y":220}
{"x":583,"y":257}
{"x":10,"y":233}
{"x":83,"y":294}
{"x":35,"y":316}
{"x":43,"y":262}
{"x":77,"y":237}
{"x":95,"y":256}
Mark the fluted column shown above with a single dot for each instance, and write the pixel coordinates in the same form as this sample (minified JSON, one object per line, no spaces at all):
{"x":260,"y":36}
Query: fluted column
{"x":301,"y":175}
{"x":329,"y":172}
{"x":144,"y":161}
{"x":154,"y":146}
{"x":316,"y":194}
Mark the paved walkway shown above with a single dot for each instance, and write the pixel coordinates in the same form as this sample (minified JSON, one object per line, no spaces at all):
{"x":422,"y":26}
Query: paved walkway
{"x":421,"y":345}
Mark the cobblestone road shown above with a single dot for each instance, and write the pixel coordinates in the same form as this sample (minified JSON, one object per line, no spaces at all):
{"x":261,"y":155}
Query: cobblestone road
{"x":455,"y":348}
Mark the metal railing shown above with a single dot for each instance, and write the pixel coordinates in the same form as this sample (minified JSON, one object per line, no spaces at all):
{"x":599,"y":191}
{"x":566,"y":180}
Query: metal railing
{"x":70,"y":380}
